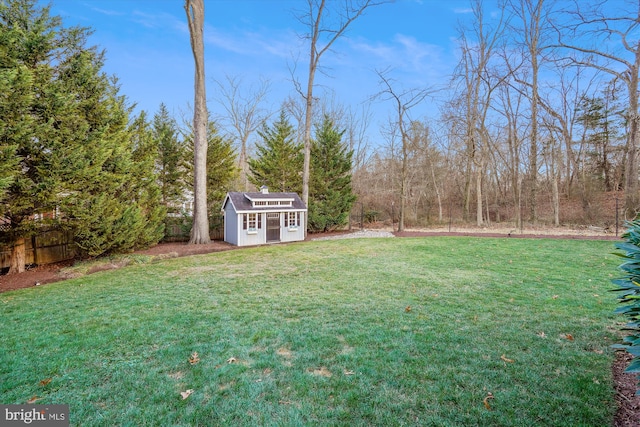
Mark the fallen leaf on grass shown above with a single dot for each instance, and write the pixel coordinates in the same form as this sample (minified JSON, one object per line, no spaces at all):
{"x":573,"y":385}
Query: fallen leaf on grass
{"x":186,"y":394}
{"x":45,"y":381}
{"x":194,"y":358}
{"x":542,"y":335}
{"x":504,"y":358}
{"x":568,"y":336}
{"x":486,"y":400}
{"x":407,"y":309}
{"x":232,"y":360}
{"x":33,"y":399}
{"x":555,"y":297}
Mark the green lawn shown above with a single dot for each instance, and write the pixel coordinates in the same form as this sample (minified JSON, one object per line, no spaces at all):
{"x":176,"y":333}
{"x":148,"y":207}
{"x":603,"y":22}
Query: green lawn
{"x":344,"y":332}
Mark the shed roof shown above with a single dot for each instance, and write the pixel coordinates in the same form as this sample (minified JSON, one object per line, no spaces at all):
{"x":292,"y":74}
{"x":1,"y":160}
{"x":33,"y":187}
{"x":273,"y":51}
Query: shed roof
{"x":243,"y":202}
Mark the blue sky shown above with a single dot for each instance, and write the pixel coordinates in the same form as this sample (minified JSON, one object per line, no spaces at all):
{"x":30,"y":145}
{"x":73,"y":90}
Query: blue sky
{"x":147,"y":47}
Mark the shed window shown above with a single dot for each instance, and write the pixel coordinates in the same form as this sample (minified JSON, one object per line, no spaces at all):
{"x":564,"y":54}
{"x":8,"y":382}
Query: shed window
{"x":251,"y":221}
{"x":292,"y":219}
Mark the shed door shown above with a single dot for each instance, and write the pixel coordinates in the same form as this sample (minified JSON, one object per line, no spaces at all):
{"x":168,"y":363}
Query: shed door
{"x":273,"y":227}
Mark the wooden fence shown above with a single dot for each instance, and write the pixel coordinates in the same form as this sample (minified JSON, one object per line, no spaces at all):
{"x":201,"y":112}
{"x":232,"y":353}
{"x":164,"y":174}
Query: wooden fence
{"x":178,"y":229}
{"x":55,"y":245}
{"x":45,"y":248}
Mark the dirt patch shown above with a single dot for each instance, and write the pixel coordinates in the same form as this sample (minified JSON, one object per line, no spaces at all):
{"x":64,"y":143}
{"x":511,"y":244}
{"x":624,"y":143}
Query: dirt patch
{"x":320,"y":372}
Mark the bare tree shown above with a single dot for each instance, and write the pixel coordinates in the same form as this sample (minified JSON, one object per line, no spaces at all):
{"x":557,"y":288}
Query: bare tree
{"x":404,"y":101}
{"x":200,"y":227}
{"x":614,"y":48}
{"x":532,"y":18}
{"x":510,"y":105}
{"x":324,"y":27}
{"x":244,"y":114}
{"x":479,"y":84}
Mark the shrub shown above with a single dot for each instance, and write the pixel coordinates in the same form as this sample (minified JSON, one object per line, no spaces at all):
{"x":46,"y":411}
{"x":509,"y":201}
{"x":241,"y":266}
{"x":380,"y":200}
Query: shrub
{"x":629,"y":293}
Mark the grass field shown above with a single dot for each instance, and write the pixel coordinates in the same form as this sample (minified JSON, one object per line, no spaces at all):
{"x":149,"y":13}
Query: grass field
{"x":439,"y":331}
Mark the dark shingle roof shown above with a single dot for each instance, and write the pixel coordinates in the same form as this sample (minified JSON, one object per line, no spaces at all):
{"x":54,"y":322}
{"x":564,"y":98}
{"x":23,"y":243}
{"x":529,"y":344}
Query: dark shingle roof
{"x":243,"y":201}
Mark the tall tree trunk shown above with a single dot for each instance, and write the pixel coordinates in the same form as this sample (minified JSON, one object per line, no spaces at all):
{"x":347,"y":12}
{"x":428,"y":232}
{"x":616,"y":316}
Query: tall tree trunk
{"x":533,"y":147}
{"x":200,"y":228}
{"x":556,"y":200}
{"x":308,"y":117}
{"x":467,"y":186}
{"x":632,"y":199}
{"x":403,"y":179}
{"x":435,"y":185}
{"x":244,"y":176}
{"x":348,"y":12}
{"x":18,"y":257}
{"x":479,"y":194}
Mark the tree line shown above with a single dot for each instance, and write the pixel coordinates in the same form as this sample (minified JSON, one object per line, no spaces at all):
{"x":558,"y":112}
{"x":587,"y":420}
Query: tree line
{"x":537,"y":124}
{"x":541,"y":109}
{"x":73,"y":156}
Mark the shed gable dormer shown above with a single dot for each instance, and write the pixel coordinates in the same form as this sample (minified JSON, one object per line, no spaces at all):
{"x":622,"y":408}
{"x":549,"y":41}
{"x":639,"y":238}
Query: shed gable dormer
{"x":261,"y":200}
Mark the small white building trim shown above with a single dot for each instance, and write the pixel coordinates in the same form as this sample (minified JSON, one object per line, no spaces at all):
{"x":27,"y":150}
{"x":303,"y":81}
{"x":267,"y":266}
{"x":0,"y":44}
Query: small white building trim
{"x":263,"y":217}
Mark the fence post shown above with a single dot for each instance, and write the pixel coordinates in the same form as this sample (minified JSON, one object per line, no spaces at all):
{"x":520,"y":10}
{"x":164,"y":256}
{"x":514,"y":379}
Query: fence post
{"x":617,"y":217}
{"x":34,"y":248}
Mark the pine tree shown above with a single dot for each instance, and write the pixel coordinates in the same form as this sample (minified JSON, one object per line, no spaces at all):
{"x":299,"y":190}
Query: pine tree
{"x":15,"y":125}
{"x":171,"y":160}
{"x":68,"y":128}
{"x":279,"y":158}
{"x":147,"y":192}
{"x":222,"y":168}
{"x":330,"y":194}
{"x":33,"y":111}
{"x":100,"y":195}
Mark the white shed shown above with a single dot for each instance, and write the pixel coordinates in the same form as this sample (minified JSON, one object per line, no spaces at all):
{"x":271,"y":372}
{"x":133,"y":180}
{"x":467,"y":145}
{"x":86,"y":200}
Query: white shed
{"x":263,"y":217}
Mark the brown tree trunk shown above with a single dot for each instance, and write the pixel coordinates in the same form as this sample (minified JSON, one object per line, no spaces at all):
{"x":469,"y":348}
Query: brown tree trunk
{"x":479,"y":193}
{"x":348,"y":12}
{"x":200,"y":227}
{"x":632,"y":199}
{"x":403,"y":178}
{"x":18,"y":257}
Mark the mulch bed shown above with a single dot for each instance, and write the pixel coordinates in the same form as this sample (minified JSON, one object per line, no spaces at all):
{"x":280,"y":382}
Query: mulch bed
{"x":628,"y":404}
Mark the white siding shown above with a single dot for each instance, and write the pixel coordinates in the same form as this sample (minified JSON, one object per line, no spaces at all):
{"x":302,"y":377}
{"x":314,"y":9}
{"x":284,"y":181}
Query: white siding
{"x":231,"y":225}
{"x":235,"y":235}
{"x":292,"y":234}
{"x":247,"y":238}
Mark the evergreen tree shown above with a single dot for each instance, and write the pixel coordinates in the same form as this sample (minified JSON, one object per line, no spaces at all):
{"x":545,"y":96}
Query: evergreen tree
{"x":222,"y":168}
{"x":15,"y":125}
{"x":171,"y":160}
{"x":600,"y":133}
{"x":330,"y":194}
{"x":65,"y":144}
{"x":279,"y":158}
{"x":99,"y":200}
{"x":148,"y":193}
{"x":35,"y":113}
